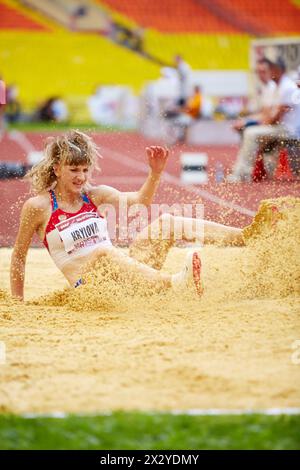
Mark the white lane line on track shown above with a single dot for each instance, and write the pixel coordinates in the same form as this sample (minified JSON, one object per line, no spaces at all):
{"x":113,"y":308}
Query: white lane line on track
{"x":136,"y":165}
{"x":220,"y":412}
{"x":192,"y":412}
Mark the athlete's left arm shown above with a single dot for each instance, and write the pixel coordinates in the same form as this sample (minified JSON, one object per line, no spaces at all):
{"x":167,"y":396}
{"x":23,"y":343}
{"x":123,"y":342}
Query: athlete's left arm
{"x":157,"y":159}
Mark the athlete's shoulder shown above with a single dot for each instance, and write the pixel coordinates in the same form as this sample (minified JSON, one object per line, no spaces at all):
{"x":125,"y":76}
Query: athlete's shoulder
{"x":101,"y":194}
{"x":98,"y":190}
{"x":92,"y":191}
{"x":38,"y":203}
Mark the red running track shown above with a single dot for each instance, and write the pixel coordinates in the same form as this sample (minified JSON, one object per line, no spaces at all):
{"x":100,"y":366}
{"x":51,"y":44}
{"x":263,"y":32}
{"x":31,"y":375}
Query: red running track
{"x":124,"y":166}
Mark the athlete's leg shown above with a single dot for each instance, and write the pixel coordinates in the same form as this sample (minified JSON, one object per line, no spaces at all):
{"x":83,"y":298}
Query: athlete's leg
{"x":204,"y":231}
{"x":129,"y":270}
{"x":209,"y":232}
{"x":153,"y":244}
{"x":128,"y":266}
{"x":269,"y":213}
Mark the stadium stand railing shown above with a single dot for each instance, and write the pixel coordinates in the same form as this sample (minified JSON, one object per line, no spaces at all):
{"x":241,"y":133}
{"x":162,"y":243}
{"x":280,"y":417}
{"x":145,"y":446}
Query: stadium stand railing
{"x":83,"y":17}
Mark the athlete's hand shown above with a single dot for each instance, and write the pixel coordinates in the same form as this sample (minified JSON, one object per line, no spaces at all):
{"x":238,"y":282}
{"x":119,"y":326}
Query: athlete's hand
{"x":157,"y":157}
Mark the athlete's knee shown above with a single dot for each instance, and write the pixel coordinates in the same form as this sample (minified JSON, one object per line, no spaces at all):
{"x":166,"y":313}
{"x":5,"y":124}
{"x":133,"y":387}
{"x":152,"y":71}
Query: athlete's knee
{"x":103,"y":252}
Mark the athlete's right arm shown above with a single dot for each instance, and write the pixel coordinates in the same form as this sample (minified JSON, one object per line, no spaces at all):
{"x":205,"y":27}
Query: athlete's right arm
{"x":31,"y":217}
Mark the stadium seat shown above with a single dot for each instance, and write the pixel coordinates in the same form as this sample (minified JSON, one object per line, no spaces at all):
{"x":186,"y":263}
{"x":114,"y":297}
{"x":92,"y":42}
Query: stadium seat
{"x":12,"y":18}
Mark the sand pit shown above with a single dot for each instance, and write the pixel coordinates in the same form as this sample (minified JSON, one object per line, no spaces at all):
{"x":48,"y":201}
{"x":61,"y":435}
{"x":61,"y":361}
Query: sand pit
{"x":82,"y":351}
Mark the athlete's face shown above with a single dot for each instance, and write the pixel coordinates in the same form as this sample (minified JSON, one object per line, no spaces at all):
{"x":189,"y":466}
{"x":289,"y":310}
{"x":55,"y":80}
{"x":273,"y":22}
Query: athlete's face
{"x":73,"y":177}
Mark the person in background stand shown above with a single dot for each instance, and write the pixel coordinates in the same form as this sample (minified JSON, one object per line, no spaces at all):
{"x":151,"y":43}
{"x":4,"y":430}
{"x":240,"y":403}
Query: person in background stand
{"x":266,"y":94}
{"x":183,"y":71}
{"x":282,"y":121}
{"x":2,"y":106}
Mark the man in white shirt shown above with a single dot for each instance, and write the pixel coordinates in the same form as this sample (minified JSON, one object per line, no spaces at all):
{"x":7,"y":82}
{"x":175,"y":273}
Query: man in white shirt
{"x":265,"y":96}
{"x":184,"y":72}
{"x":2,"y":107}
{"x":282,"y":120}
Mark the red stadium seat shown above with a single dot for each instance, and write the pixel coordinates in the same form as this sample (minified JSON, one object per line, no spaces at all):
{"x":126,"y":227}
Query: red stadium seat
{"x":11,"y":18}
{"x":269,"y":16}
{"x":219,"y":16}
{"x":172,"y":16}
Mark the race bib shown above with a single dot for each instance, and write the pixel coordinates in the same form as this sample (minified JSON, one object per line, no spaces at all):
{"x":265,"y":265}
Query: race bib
{"x":82,"y":230}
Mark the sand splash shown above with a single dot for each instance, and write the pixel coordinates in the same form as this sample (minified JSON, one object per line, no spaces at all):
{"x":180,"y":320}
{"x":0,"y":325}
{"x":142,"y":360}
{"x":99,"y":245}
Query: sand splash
{"x":271,"y":262}
{"x":269,"y":266}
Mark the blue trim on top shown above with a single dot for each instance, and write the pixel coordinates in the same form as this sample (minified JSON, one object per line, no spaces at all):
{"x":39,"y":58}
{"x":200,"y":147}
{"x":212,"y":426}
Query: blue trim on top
{"x":85,"y":198}
{"x":54,"y":200}
{"x":55,"y":204}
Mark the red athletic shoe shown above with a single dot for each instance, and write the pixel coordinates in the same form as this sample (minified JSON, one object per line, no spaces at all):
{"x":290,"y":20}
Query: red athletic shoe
{"x":190,"y":276}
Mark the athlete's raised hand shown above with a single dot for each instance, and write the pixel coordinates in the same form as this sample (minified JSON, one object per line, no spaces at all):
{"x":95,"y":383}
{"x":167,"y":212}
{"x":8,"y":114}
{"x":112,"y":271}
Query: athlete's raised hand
{"x":157,"y":157}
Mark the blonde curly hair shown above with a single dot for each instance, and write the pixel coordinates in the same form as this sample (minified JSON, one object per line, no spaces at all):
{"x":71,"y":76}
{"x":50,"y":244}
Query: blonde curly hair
{"x":72,"y":148}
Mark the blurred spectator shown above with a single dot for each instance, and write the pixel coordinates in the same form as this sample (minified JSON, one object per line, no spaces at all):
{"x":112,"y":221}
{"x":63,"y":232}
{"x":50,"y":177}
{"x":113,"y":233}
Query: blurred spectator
{"x":78,"y":12}
{"x":113,"y":105}
{"x":2,"y":106}
{"x":298,"y":77}
{"x":128,"y":37}
{"x":45,"y":111}
{"x":183,"y":71}
{"x":281,"y":121}
{"x":53,"y":109}
{"x":184,"y":116}
{"x":194,"y":104}
{"x":60,"y":110}
{"x":137,"y":41}
{"x":229,"y":107}
{"x":13,"y":106}
{"x":268,"y":86}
